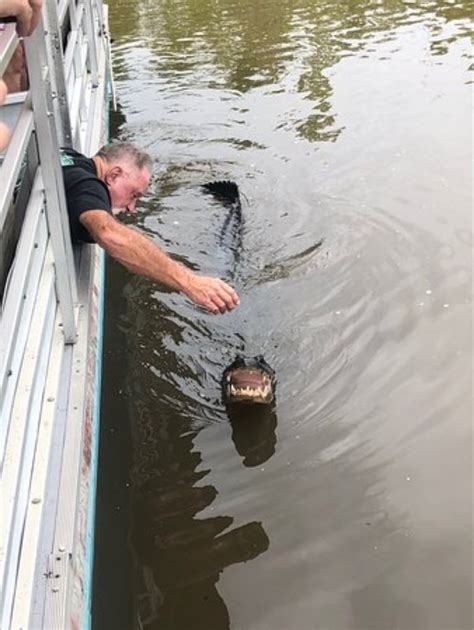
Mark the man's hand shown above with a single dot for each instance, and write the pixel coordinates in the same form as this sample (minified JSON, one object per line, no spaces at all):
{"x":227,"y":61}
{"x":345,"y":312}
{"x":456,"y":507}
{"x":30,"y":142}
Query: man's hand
{"x":27,"y":13}
{"x":212,"y":293}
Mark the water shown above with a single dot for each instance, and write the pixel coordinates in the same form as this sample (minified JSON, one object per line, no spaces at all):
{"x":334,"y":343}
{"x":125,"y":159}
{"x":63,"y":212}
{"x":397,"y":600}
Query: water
{"x":345,"y":122}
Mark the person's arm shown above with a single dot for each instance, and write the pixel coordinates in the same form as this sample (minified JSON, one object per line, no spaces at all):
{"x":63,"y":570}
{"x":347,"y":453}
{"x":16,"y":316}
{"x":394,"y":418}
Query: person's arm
{"x":140,"y":255}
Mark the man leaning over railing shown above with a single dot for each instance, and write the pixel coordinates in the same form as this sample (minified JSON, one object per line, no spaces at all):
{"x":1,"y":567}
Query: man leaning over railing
{"x":110,"y":182}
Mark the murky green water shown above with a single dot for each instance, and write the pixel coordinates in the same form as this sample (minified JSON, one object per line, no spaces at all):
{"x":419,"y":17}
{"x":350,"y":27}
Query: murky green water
{"x":345,"y":121}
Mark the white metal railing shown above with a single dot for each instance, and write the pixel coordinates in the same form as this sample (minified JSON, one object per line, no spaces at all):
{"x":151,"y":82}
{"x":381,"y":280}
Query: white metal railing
{"x":59,"y":109}
{"x":58,"y":92}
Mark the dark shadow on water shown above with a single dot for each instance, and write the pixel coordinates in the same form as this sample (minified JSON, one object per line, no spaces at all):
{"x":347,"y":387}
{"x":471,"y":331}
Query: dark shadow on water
{"x":253,"y":432}
{"x":178,"y":556}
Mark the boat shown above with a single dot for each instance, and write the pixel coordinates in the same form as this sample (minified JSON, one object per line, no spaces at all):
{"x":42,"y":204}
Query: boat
{"x":50,"y":323}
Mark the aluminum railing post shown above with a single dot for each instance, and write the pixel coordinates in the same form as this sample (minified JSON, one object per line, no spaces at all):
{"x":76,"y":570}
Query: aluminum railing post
{"x":58,"y":81}
{"x":92,"y":34}
{"x":104,"y":28}
{"x":73,"y":14}
{"x":48,"y":150}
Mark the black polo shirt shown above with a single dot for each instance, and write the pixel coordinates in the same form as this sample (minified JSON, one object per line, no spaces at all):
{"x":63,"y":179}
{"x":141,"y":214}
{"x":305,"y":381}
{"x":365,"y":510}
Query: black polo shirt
{"x":84,"y":191}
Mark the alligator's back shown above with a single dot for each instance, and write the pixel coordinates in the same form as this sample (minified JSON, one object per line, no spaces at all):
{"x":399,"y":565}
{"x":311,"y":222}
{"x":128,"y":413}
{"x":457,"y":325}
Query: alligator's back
{"x":227,"y":193}
{"x":251,"y":379}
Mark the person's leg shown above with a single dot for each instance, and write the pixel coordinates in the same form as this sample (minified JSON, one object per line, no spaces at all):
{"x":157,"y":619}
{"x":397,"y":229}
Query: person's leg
{"x":15,"y":76}
{"x":4,"y":131}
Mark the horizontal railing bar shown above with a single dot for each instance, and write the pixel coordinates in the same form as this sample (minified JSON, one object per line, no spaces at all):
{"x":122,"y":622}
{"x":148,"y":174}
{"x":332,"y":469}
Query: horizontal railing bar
{"x":13,"y":160}
{"x":16,"y":98}
{"x":8,"y":42}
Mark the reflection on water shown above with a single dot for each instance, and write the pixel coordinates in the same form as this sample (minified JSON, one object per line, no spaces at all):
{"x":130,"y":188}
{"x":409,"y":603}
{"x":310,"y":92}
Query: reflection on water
{"x":253,"y":432}
{"x":179,"y":554}
{"x":345,"y":125}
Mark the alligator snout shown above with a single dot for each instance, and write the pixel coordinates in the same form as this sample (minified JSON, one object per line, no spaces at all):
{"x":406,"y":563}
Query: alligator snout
{"x":249,"y":380}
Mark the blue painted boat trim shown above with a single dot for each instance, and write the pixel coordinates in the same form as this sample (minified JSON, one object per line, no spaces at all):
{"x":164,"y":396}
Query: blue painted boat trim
{"x":91,"y":506}
{"x":91,"y":503}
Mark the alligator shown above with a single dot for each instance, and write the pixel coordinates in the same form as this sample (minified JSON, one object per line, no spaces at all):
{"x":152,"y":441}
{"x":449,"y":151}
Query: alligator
{"x":247,"y":380}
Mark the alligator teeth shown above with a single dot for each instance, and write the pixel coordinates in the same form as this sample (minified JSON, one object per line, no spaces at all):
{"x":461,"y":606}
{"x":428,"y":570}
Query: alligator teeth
{"x":252,"y":392}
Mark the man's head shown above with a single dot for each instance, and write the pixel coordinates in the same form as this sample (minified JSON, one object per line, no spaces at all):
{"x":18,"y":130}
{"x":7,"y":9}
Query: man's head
{"x":126,"y":173}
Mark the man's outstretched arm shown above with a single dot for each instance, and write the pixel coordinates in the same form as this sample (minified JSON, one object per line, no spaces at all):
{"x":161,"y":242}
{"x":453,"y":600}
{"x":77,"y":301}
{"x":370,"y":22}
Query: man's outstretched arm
{"x":140,"y":255}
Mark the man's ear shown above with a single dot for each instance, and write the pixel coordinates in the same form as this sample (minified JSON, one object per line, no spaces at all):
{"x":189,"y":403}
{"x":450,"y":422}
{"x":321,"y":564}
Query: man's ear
{"x":113,"y":173}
